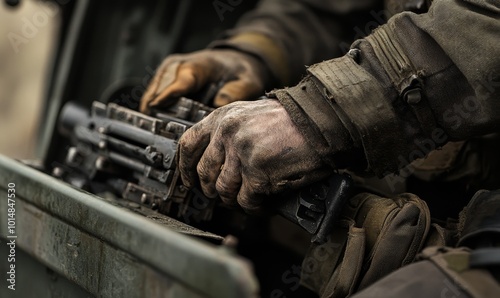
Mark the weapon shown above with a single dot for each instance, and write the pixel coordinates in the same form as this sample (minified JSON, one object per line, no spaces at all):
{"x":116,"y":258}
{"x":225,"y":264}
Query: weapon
{"x":132,"y":155}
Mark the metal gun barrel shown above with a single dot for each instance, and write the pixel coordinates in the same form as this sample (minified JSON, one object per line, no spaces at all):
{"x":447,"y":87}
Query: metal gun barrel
{"x":72,"y":114}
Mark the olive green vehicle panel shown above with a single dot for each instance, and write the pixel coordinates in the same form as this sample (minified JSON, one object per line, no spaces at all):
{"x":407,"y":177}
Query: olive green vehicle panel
{"x":109,"y":251}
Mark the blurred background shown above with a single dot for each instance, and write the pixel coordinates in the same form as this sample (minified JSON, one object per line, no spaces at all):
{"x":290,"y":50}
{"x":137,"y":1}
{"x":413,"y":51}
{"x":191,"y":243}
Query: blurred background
{"x":27,"y":35}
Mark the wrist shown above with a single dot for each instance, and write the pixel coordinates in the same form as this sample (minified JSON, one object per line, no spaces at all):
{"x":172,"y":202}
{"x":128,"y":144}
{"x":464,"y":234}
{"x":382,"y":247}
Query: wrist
{"x":321,"y":124}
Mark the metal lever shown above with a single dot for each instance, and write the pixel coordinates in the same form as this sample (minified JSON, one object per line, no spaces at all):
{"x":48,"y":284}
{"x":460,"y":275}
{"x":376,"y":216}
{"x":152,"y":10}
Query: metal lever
{"x":317,"y":207}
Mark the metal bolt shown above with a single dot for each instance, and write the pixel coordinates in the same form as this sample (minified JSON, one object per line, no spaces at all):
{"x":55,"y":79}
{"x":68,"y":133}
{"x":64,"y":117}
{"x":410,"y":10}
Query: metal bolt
{"x":144,"y":198}
{"x":155,"y":156}
{"x":122,"y":115}
{"x":100,"y":162}
{"x":163,"y":177}
{"x":57,"y":172}
{"x":230,"y":241}
{"x":413,"y":96}
{"x":74,"y":157}
{"x":354,"y":54}
{"x":152,"y":154}
{"x":141,"y":123}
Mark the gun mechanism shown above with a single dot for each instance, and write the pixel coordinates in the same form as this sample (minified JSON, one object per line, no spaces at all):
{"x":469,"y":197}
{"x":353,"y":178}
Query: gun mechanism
{"x":132,"y":155}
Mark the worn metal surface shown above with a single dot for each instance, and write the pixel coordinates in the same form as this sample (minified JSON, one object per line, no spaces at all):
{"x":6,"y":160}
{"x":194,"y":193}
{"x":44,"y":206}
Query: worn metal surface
{"x":34,"y":279}
{"x":171,"y":223}
{"x":112,"y":252}
{"x":89,"y":262}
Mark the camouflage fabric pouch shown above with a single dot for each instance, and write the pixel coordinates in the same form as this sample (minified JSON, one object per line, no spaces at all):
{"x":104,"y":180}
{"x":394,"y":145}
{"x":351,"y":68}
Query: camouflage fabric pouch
{"x":374,"y":237}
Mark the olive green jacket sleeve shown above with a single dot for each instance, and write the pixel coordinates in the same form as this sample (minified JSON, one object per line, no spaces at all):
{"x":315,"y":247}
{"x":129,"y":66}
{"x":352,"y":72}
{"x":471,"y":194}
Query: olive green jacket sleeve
{"x":411,"y":86}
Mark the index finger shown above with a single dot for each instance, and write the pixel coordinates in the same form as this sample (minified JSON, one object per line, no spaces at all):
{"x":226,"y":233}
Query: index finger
{"x":165,"y":76}
{"x":192,"y":144}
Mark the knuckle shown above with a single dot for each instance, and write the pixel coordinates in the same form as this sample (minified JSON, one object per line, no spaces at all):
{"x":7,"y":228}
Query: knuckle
{"x":197,"y":128}
{"x":230,"y":124}
{"x":169,"y":60}
{"x":224,"y":189}
{"x":260,"y":186}
{"x":186,"y":179}
{"x":202,"y":170}
{"x":227,"y":128}
{"x":242,"y":200}
{"x":184,"y":167}
{"x":245,"y":202}
{"x":217,"y":113}
{"x":228,"y":200}
{"x":250,"y":202}
{"x":184,"y":143}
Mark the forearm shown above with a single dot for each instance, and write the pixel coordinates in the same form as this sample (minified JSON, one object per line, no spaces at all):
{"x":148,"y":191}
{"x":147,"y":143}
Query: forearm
{"x":413,"y":85}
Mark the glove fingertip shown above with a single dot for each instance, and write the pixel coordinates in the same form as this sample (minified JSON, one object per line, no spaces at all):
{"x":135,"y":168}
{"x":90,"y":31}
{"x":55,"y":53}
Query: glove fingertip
{"x":223,"y":99}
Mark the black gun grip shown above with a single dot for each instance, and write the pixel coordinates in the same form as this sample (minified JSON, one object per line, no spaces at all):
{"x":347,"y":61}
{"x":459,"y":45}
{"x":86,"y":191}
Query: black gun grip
{"x":316,"y":207}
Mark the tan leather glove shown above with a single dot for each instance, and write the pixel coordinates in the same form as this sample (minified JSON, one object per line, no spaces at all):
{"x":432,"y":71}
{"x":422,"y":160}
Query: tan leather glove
{"x":243,"y":77}
{"x":373,"y":237}
{"x":247,"y":150}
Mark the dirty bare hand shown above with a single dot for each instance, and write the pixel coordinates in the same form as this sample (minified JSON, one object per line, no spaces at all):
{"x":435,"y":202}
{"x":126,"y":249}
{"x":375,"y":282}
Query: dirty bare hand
{"x":242,"y":75}
{"x":246,"y":151}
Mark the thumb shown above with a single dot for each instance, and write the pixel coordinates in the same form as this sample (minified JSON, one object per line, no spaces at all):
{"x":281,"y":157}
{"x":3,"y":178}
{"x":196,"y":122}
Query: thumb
{"x":189,"y":78}
{"x":164,"y":77}
{"x":241,"y":89}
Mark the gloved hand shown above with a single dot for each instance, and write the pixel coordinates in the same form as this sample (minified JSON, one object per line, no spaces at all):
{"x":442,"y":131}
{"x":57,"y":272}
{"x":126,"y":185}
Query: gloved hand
{"x":246,"y":150}
{"x":243,"y":76}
